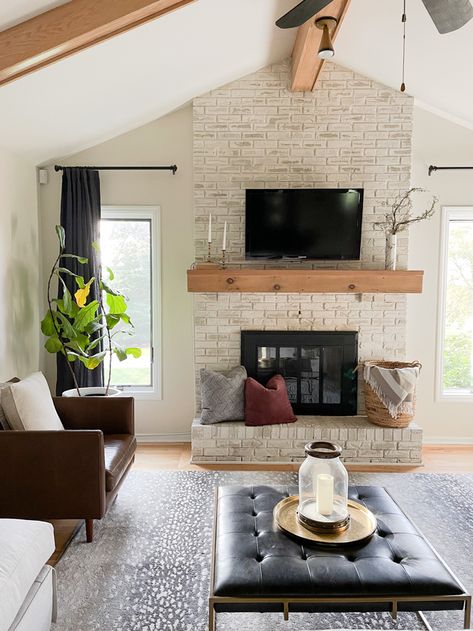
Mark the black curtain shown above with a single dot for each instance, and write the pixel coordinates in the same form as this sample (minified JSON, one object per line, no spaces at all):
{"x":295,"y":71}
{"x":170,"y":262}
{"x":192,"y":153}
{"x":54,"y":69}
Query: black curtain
{"x":80,"y":218}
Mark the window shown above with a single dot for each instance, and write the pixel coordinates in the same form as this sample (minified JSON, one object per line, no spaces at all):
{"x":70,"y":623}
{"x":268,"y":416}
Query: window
{"x":128,"y":243}
{"x":456,"y":335}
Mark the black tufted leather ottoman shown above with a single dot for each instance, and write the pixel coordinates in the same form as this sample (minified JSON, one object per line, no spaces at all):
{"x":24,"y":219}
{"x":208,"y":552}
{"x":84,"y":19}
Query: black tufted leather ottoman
{"x":256,"y":567}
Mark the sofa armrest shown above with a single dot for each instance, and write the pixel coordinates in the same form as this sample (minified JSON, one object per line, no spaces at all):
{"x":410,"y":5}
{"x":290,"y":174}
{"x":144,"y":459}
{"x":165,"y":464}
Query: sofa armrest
{"x":112,"y":415}
{"x":52,"y":474}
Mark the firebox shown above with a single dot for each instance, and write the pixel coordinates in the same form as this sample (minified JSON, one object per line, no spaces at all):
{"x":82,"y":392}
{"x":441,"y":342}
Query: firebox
{"x":318,"y":367}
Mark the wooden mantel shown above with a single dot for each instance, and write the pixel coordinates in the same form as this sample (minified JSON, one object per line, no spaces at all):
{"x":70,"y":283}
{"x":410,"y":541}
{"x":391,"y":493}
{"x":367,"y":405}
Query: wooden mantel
{"x":215,"y":279}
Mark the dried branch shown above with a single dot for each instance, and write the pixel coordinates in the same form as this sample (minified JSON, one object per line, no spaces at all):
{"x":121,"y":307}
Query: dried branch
{"x":401,"y":213}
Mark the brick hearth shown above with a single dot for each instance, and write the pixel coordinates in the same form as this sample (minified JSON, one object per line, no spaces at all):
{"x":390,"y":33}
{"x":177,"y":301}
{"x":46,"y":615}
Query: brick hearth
{"x":362,"y":442}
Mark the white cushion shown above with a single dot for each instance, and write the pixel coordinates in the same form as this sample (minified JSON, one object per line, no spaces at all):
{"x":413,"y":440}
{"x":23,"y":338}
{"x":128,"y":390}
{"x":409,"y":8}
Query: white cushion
{"x":25,"y":546}
{"x":39,"y":607}
{"x":28,"y":405}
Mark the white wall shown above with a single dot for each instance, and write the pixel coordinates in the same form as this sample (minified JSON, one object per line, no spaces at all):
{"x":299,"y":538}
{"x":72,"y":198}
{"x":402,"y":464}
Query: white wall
{"x":19,"y":292}
{"x":166,"y":141}
{"x":439,"y":142}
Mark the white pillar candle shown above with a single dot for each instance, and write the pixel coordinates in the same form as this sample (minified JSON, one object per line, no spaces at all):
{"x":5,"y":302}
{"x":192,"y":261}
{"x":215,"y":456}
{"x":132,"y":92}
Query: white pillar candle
{"x":325,"y":493}
{"x":224,"y":245}
{"x":210,"y":229}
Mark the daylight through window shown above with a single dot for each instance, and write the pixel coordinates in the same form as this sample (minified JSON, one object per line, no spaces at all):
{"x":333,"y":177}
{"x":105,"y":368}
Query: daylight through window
{"x":126,"y":239}
{"x":457,"y":348}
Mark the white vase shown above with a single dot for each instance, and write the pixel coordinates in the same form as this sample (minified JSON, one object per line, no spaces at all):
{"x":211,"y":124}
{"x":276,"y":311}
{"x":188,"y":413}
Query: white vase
{"x":391,"y":251}
{"x":92,"y":391}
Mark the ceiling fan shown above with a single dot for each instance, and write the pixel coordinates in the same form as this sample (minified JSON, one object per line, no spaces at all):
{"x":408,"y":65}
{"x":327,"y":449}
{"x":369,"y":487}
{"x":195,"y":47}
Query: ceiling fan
{"x":447,"y":16}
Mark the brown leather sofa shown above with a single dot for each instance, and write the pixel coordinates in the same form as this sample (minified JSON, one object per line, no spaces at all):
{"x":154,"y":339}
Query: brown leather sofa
{"x":70,"y":474}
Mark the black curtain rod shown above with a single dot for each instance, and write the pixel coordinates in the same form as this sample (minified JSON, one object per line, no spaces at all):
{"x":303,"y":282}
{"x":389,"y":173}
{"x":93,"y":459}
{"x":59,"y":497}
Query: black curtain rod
{"x":172,"y":168}
{"x":434,"y":168}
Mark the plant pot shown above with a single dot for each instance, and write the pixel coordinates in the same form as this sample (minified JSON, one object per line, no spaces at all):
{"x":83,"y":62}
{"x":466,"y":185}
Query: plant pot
{"x":92,"y":391}
{"x":391,"y":251}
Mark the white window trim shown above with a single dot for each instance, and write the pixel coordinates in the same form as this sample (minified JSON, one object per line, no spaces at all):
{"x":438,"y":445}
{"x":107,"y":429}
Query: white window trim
{"x":153,"y":213}
{"x":448,"y":213}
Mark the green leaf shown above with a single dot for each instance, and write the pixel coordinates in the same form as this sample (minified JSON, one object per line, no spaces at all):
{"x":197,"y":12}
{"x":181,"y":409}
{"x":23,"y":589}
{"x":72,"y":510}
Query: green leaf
{"x":78,"y":345}
{"x":64,"y":270}
{"x":96,"y":342}
{"x":126,"y":318}
{"x":71,"y":312}
{"x":112,"y":320}
{"x":111,"y":275}
{"x":93,"y":361}
{"x":80,"y":282}
{"x":61,"y":235}
{"x":94,"y":326}
{"x":107,"y":289}
{"x":96,"y":246}
{"x":81,"y":259}
{"x":116,"y":304}
{"x":135,"y":352}
{"x":85,"y":316}
{"x":120,"y":352}
{"x":67,"y":329}
{"x":68,"y":302}
{"x":47,"y":325}
{"x":53,"y":344}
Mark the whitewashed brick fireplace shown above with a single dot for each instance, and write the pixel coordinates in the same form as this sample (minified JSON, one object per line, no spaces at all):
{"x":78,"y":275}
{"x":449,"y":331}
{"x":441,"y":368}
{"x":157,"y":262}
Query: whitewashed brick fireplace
{"x":351,"y":132}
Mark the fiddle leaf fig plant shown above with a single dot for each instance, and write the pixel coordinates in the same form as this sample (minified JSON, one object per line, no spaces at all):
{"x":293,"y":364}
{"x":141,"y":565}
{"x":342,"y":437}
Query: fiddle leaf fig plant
{"x":81,"y":329}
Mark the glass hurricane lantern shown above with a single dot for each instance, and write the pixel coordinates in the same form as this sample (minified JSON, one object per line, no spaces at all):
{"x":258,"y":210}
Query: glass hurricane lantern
{"x":323,"y":489}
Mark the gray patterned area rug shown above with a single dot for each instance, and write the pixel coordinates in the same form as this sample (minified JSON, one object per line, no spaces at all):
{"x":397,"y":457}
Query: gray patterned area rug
{"x":148,"y":567}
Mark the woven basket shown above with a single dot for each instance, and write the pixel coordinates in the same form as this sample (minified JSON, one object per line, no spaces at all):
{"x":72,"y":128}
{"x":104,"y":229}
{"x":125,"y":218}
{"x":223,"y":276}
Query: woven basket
{"x":376,"y":411}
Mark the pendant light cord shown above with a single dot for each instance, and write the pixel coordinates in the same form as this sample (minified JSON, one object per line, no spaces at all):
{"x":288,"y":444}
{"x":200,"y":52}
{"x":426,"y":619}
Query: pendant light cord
{"x":404,"y":21}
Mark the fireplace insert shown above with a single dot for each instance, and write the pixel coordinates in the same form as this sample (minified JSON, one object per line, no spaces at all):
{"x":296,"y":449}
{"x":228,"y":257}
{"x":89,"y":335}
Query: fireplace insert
{"x":318,"y":367}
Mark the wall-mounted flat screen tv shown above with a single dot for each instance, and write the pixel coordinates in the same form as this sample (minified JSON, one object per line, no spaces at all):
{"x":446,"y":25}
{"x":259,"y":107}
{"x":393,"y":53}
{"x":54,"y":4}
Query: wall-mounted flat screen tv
{"x":317,"y":224}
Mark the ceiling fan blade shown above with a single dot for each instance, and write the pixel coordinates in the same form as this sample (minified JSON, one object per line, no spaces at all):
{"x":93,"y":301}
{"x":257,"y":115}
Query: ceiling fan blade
{"x":301,"y":13}
{"x":449,"y":16}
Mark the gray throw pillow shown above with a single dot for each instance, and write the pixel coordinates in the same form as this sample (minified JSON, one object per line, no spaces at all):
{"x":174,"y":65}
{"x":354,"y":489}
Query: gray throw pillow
{"x":223,"y":395}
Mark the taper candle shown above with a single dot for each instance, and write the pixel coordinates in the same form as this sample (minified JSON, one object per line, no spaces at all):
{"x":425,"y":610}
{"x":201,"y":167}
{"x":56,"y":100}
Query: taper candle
{"x":209,"y":239}
{"x":224,"y":245}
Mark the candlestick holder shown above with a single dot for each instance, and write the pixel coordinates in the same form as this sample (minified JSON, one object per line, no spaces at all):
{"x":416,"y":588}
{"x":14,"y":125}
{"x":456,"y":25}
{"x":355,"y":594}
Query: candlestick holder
{"x":209,"y":253}
{"x":223,"y":261}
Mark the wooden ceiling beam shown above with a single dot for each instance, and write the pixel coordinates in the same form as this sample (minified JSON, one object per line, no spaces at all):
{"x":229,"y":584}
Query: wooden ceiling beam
{"x":71,"y":27}
{"x":306,"y":64}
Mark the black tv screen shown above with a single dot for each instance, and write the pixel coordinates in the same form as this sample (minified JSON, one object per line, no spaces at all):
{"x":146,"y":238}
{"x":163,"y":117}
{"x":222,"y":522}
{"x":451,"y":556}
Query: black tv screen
{"x":322,"y":224}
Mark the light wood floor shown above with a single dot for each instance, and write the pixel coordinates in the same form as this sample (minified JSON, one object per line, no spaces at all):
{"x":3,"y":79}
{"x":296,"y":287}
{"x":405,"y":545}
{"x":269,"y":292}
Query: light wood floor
{"x":437,"y":459}
{"x":176,"y":456}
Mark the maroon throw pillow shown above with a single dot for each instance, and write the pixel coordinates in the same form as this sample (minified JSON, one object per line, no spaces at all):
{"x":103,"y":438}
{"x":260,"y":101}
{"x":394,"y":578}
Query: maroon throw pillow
{"x":267,"y":405}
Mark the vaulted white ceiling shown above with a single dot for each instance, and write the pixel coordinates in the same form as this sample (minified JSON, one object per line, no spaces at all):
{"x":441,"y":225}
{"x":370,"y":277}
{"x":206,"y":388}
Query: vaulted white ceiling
{"x":139,"y":76}
{"x":438,"y":67}
{"x":143,"y":74}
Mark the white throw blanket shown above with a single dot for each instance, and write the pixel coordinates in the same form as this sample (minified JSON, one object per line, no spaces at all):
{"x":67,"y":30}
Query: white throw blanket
{"x":394,"y":386}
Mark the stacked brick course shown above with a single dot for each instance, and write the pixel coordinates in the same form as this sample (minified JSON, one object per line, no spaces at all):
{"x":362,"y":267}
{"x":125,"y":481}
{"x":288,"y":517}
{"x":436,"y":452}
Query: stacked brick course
{"x":362,"y":443}
{"x":255,"y":133}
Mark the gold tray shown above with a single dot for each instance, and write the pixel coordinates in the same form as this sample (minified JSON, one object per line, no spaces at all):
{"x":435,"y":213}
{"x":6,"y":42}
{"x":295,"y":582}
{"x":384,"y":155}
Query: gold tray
{"x":362,"y":524}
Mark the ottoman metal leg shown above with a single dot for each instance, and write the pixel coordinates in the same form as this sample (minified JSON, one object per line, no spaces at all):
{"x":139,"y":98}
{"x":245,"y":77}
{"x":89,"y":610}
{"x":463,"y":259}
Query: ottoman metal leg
{"x":424,"y":621}
{"x":212,"y":616}
{"x":467,"y":618}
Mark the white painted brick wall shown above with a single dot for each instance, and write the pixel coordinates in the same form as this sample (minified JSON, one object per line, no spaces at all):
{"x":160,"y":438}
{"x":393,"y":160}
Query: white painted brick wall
{"x":350,"y":132}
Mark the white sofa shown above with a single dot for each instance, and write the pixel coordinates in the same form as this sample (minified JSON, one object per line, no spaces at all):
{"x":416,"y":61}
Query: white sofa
{"x":27,"y":584}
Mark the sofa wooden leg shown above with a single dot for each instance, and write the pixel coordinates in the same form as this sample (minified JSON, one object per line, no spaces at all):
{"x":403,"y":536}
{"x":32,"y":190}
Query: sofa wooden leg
{"x":89,"y":529}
